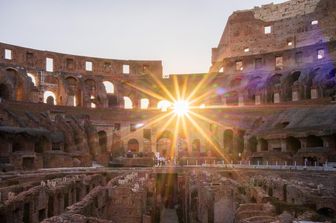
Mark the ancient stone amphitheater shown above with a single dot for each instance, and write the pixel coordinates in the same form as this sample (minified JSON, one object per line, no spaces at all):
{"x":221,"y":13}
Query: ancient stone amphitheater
{"x":83,"y":139}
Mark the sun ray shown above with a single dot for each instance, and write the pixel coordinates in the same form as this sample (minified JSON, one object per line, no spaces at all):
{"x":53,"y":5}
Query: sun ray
{"x":206,"y":119}
{"x":148,"y":92}
{"x":162,"y":86}
{"x":166,"y":124}
{"x":177,"y":88}
{"x":185,"y":86}
{"x":152,"y":121}
{"x":205,"y":135}
{"x":202,"y":96}
{"x":173,"y":149}
{"x":184,"y":128}
{"x":204,"y":81}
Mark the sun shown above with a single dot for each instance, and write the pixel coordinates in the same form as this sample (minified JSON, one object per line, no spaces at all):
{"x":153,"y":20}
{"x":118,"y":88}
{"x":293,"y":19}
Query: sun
{"x":181,"y":107}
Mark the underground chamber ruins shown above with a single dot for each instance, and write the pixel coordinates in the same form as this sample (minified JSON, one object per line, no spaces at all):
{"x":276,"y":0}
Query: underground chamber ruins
{"x":86,"y":139}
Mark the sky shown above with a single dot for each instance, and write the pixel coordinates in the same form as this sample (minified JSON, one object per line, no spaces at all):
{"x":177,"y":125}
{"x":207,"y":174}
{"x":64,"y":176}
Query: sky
{"x":181,"y":33}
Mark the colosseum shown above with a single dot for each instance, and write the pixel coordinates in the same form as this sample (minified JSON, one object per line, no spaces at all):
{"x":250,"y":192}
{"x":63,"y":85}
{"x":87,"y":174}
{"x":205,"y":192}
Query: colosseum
{"x":253,"y":140}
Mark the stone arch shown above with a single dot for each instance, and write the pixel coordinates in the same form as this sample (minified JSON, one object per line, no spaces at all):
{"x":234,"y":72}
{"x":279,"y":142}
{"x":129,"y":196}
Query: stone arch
{"x":314,"y":141}
{"x":128,"y":104}
{"x":133,"y":145}
{"x":73,"y":90}
{"x":102,"y":141}
{"x":289,"y":84}
{"x":272,"y":82}
{"x":49,"y":97}
{"x":109,"y":87}
{"x":228,"y":140}
{"x":144,"y":103}
{"x":33,"y":78}
{"x":293,"y":144}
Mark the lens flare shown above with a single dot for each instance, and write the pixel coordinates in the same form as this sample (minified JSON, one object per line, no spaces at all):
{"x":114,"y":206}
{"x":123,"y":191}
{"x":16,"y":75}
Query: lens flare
{"x":181,"y":107}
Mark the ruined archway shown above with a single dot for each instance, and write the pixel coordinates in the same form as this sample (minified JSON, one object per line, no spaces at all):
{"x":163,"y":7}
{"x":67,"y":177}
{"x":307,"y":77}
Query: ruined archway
{"x":74,"y":92}
{"x":293,"y":145}
{"x":271,"y":83}
{"x":289,"y":83}
{"x":327,"y":212}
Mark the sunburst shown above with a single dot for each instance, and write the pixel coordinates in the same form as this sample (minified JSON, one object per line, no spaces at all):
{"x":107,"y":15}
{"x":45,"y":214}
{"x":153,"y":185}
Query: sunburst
{"x":183,"y":113}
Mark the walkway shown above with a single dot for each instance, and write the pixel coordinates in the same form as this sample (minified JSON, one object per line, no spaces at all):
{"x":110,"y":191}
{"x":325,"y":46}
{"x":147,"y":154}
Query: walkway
{"x":168,"y":216}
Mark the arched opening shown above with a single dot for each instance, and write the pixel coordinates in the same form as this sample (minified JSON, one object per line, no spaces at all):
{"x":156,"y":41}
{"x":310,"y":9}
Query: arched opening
{"x":293,"y":145}
{"x":128,"y":104}
{"x":102,"y":139}
{"x":133,"y":145}
{"x":4,"y":92}
{"x":32,"y":77}
{"x":144,"y":103}
{"x":327,"y":212}
{"x":252,"y":144}
{"x":164,"y":143}
{"x":263,"y":145}
{"x":272,"y":82}
{"x":164,"y":105}
{"x":294,"y":77}
{"x":74,"y":93}
{"x":109,"y":87}
{"x":314,"y":141}
{"x":228,"y":140}
{"x":49,"y":97}
{"x":292,"y":94}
